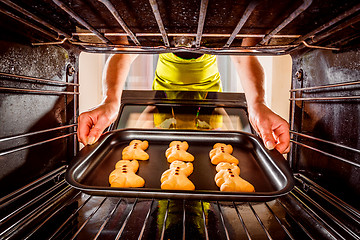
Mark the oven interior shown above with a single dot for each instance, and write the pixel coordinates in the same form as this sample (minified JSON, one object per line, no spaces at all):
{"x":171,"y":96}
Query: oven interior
{"x":40,"y":43}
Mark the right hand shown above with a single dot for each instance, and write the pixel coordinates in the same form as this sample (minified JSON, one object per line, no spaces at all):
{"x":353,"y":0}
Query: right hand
{"x":273,"y":129}
{"x":92,"y":123}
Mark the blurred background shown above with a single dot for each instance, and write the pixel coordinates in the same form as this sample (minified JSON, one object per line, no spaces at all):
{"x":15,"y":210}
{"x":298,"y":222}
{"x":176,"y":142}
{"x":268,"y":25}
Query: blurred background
{"x":277,"y":78}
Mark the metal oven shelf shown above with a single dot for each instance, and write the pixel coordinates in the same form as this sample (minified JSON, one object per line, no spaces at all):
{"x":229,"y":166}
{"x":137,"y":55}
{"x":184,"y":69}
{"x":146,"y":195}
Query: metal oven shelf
{"x":307,"y":212}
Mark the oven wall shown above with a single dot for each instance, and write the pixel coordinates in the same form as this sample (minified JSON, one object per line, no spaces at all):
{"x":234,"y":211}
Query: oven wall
{"x":44,"y":111}
{"x":332,"y":116}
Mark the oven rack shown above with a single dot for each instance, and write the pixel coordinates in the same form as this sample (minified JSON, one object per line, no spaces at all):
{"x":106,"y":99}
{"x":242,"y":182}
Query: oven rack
{"x":312,"y":144}
{"x":41,"y":86}
{"x":49,"y":208}
{"x":140,"y":40}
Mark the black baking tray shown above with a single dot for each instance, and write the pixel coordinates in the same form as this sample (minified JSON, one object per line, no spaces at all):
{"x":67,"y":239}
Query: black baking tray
{"x":267,"y":170}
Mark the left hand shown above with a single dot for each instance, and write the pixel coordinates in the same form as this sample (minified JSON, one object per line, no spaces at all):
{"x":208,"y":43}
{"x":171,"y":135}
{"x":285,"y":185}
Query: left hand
{"x":273,"y":129}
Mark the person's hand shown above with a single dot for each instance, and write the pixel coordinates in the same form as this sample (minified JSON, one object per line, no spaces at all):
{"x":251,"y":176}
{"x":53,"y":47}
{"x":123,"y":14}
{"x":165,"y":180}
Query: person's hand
{"x":273,"y":130}
{"x":92,"y":123}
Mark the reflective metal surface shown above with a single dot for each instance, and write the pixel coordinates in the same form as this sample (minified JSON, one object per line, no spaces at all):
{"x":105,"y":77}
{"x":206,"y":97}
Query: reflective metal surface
{"x":308,"y":212}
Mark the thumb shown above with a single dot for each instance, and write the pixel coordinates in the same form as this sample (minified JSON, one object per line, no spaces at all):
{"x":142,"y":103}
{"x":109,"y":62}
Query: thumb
{"x":97,"y":130}
{"x":267,"y":138}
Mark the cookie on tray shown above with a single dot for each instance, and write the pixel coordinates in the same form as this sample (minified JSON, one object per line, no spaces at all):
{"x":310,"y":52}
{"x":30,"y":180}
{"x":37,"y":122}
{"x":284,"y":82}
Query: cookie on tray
{"x":136,"y":150}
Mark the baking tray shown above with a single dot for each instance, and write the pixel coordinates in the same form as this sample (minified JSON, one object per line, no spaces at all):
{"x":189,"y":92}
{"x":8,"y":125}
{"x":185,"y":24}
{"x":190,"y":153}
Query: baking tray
{"x":267,"y":170}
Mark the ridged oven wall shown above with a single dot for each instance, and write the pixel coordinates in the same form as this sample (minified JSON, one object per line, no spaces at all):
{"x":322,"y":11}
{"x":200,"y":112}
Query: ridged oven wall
{"x":325,"y":120}
{"x":38,"y":105}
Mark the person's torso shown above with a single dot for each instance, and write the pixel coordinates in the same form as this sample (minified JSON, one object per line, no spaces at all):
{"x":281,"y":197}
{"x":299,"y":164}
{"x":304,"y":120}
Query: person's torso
{"x":199,"y":73}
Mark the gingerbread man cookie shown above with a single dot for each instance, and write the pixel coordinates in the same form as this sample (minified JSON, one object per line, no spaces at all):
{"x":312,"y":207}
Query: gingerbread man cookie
{"x":182,"y":145}
{"x":223,"y":147}
{"x":177,"y":151}
{"x":136,"y":150}
{"x":234,"y":183}
{"x":133,"y":165}
{"x":124,"y":175}
{"x":222,"y":153}
{"x":175,"y":178}
{"x":228,"y":179}
{"x":228,"y":167}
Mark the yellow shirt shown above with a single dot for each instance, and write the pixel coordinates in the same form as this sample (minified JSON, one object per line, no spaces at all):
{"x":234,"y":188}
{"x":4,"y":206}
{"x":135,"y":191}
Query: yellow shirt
{"x":175,"y":73}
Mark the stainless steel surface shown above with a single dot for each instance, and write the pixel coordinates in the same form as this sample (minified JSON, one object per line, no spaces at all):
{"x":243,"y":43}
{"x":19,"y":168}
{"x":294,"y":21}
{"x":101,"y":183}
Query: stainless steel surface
{"x":37,"y":91}
{"x":93,"y":217}
{"x":327,"y":213}
{"x":2,"y":153}
{"x":325,"y":141}
{"x":326,"y":86}
{"x":325,"y":118}
{"x":348,"y":161}
{"x":35,"y":133}
{"x":70,"y":218}
{"x":212,"y":35}
{"x":2,"y":74}
{"x":324,"y":98}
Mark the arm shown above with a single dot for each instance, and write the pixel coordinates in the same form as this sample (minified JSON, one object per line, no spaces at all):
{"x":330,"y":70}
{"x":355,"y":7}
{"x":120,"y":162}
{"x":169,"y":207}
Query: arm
{"x":273,"y":129}
{"x":92,"y":123}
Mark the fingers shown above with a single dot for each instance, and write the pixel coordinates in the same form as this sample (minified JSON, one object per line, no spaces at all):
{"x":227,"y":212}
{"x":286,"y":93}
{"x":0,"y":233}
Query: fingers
{"x":90,"y":126}
{"x":283,"y":138}
{"x":85,"y":124}
{"x":274,"y":138}
{"x":97,"y":130}
{"x":264,"y":129}
{"x":267,"y":137}
{"x":273,"y":129}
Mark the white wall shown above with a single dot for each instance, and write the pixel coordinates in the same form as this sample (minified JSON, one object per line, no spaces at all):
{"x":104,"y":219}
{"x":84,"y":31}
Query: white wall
{"x":277,"y":83}
{"x":90,"y":72}
{"x":280,"y":86}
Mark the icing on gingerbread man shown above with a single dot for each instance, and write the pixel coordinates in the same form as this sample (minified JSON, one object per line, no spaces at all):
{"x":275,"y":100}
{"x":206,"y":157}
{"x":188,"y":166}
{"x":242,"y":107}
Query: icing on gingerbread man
{"x":177,"y":151}
{"x":135,"y":150}
{"x":175,"y":178}
{"x":222,"y":153}
{"x":228,"y":179}
{"x":124,"y":175}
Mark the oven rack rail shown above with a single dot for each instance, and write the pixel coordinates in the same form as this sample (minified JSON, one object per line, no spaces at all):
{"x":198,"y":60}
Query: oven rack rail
{"x":49,"y":208}
{"x":335,"y":93}
{"x":309,"y":40}
{"x":39,"y":83}
{"x":40,"y":86}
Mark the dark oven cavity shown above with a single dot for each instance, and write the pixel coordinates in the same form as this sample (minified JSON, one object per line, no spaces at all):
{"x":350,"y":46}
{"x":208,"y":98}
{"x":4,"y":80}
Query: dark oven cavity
{"x":40,"y":43}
